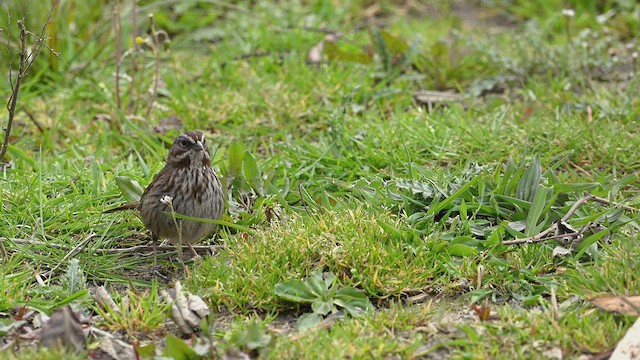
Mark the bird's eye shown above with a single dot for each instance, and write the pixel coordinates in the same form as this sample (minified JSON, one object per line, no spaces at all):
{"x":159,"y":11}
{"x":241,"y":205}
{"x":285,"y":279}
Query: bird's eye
{"x":184,"y":142}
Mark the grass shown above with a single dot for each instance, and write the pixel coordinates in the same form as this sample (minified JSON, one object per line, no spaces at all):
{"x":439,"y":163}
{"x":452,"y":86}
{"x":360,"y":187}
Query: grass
{"x":336,"y":167}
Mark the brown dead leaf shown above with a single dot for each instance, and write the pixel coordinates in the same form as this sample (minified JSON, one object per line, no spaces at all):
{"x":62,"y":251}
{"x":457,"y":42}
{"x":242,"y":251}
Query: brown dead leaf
{"x":63,"y":329}
{"x":627,"y":305}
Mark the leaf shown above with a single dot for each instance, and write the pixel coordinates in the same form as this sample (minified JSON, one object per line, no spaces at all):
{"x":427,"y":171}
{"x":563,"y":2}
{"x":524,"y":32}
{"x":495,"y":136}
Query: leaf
{"x":571,"y":188}
{"x":560,"y":251}
{"x":315,"y":284}
{"x":584,"y":244}
{"x":146,"y":351}
{"x":535,"y":211}
{"x":235,"y":156}
{"x":462,"y":250}
{"x":627,"y":305}
{"x":528,"y":183}
{"x":328,"y":278}
{"x":252,"y":173}
{"x":295,"y":291}
{"x":469,"y":241}
{"x":334,"y":53}
{"x":256,"y":337}
{"x":130,"y":189}
{"x":308,"y":321}
{"x":179,"y":350}
{"x":322,"y":307}
{"x":395,"y":44}
{"x":353,"y":301}
{"x":381,"y":47}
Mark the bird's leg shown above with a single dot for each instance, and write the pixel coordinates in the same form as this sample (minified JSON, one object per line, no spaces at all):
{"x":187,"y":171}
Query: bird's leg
{"x":156,"y":273}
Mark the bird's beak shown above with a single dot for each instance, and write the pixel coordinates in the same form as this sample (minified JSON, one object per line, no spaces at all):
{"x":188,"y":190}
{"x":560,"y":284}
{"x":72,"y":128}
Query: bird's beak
{"x":199,"y":145}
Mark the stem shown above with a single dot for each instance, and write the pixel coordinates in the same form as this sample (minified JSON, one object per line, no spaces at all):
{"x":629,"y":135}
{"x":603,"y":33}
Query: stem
{"x":15,"y":91}
{"x":156,"y":78}
{"x":134,"y":34}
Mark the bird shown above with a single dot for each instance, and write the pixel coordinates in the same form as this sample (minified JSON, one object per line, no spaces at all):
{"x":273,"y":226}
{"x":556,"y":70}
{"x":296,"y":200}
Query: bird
{"x":187,"y":185}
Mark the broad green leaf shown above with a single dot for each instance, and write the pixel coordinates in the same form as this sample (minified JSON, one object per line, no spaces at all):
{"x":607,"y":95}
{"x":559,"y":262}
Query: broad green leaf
{"x":536,"y":210}
{"x":328,"y":278}
{"x":395,"y":45}
{"x":528,"y":183}
{"x":446,"y":202}
{"x":584,"y":245}
{"x":308,"y":321}
{"x":462,"y":250}
{"x":256,"y":337}
{"x":235,"y":155}
{"x":130,"y":189}
{"x":321,"y":306}
{"x":395,"y":234}
{"x":353,"y":301}
{"x":469,"y":241}
{"x":570,"y":188}
{"x":381,"y":47}
{"x":315,"y":285}
{"x":146,"y":351}
{"x":295,"y":291}
{"x":334,"y":53}
{"x":252,"y":173}
{"x":179,"y":350}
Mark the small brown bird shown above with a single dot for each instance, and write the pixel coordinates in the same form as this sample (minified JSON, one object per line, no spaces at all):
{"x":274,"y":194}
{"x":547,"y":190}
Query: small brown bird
{"x":188,"y":185}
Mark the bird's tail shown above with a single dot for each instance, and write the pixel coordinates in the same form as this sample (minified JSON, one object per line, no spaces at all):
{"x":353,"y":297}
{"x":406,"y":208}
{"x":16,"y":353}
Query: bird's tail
{"x":129,"y":206}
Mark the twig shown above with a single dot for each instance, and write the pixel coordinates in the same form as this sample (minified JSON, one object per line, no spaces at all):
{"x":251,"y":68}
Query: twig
{"x":536,"y":239}
{"x":117,"y":31}
{"x":543,"y":235}
{"x":26,"y":60}
{"x":33,"y":120}
{"x":202,"y":248}
{"x":134,"y":34}
{"x":15,"y":90}
{"x":76,"y":249}
{"x":156,"y":78}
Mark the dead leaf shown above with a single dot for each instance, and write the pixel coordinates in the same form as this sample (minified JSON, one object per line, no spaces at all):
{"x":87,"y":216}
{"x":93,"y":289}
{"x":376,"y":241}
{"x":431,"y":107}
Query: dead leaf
{"x":627,"y":305}
{"x":186,"y":310}
{"x":629,"y":347}
{"x":560,"y":251}
{"x":433,"y":98}
{"x":63,"y":329}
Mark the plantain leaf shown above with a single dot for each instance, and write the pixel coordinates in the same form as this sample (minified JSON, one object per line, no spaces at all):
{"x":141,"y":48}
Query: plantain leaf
{"x":462,"y":250}
{"x":308,"y":321}
{"x":179,"y":350}
{"x":535,"y":211}
{"x":294,"y":291}
{"x":130,"y":189}
{"x":234,"y":168}
{"x":252,"y":173}
{"x":528,"y":183}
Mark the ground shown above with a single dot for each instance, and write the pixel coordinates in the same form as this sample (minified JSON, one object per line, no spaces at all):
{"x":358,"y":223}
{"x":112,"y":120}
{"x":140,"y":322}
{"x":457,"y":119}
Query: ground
{"x":404,"y":179}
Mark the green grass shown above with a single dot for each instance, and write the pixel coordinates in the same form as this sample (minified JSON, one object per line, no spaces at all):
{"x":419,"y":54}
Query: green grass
{"x":336,"y":167}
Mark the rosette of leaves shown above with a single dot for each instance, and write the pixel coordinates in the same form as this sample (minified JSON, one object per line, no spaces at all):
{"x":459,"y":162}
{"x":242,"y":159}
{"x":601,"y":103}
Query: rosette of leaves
{"x":325,"y":298}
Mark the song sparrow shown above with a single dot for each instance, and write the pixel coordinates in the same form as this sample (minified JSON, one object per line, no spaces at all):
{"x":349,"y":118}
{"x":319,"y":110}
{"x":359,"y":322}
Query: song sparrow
{"x":188,"y":185}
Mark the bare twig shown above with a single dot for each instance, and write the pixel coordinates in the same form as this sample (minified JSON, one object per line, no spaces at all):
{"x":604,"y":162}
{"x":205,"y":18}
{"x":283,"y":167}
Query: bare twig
{"x":15,"y":90}
{"x":543,"y":235}
{"x":538,"y":238}
{"x":26,"y":60}
{"x":156,"y":78}
{"x":117,"y":31}
{"x":136,"y":248}
{"x":134,"y":34}
{"x":76,"y":249}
